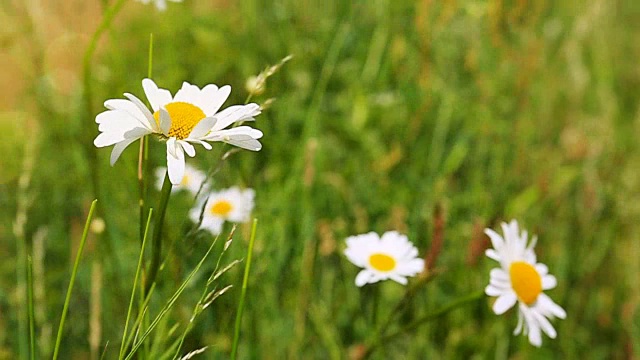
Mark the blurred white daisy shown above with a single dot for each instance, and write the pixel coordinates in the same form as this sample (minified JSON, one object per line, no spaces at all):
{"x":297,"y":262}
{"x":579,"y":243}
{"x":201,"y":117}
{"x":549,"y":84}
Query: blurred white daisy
{"x":191,"y":116}
{"x":160,"y":4}
{"x":191,"y":180}
{"x":520,"y":279}
{"x":232,"y":204}
{"x":391,"y":256}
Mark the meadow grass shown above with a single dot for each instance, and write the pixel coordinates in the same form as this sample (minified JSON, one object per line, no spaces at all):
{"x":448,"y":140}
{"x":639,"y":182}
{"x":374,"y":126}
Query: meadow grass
{"x":389,"y":110}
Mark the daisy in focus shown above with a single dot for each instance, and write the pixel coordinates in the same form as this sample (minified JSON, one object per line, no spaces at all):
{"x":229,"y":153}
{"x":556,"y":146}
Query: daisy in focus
{"x":160,"y":4}
{"x":232,"y":204}
{"x":189,"y":117}
{"x":520,"y":279}
{"x":391,"y":256}
{"x":191,"y":180}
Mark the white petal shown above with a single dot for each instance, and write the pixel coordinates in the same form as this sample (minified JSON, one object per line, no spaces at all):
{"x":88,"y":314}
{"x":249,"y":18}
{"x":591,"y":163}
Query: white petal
{"x":118,"y":149}
{"x":550,"y":307}
{"x":148,"y":117}
{"x":496,"y":240}
{"x":175,"y":161}
{"x":549,"y":282}
{"x":202,"y":128}
{"x":399,"y":279}
{"x":363,"y":277}
{"x":545,"y":324}
{"x":245,"y":142}
{"x":213,"y":98}
{"x":531,"y":326}
{"x":157,"y":97}
{"x":234,"y":114}
{"x":196,"y":141}
{"x":504,"y":303}
{"x":242,"y":136}
{"x":499,"y":274}
{"x":107,"y":139}
{"x":542,"y":269}
{"x":188,"y":93}
{"x":188,"y":148}
{"x":492,"y":254}
{"x":520,"y":325}
{"x":492,"y":290}
{"x":165,"y":121}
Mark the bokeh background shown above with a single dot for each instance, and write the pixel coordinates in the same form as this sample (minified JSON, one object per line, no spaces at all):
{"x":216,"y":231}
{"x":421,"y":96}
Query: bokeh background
{"x":489,"y":110}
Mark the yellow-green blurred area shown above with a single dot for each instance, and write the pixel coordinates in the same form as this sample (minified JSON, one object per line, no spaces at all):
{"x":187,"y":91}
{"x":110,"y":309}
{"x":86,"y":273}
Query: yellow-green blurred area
{"x":492,"y":110}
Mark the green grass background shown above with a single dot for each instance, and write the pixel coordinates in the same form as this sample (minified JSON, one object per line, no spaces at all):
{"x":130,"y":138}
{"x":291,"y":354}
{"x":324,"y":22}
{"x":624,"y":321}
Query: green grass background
{"x":491,"y":109}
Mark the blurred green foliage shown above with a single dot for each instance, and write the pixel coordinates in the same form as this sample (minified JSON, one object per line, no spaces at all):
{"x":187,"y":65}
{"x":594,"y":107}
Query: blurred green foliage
{"x":493,"y":109}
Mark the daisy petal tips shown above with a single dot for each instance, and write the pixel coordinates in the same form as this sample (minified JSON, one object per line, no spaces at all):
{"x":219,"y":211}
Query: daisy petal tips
{"x":391,"y":256}
{"x":520,"y":280}
{"x":190,"y":117}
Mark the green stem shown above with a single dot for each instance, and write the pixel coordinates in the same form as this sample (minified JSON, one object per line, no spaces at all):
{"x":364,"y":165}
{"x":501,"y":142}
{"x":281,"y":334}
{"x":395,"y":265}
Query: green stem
{"x":157,"y":233}
{"x":243,"y":294}
{"x":374,"y":303}
{"x":73,"y":278}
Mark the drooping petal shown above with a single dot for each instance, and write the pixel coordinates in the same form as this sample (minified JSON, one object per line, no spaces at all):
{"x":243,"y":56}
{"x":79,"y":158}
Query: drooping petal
{"x":545,"y":325}
{"x":188,"y":148}
{"x":118,"y":149}
{"x":504,"y":303}
{"x":206,"y":145}
{"x":363,"y":277}
{"x":399,"y":279}
{"x":175,"y":161}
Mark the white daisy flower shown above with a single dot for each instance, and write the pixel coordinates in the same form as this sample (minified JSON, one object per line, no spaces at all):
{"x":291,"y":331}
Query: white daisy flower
{"x":191,"y":116}
{"x":521,"y":279}
{"x":191,"y":180}
{"x":391,"y":257}
{"x":232,"y":204}
{"x":160,"y":4}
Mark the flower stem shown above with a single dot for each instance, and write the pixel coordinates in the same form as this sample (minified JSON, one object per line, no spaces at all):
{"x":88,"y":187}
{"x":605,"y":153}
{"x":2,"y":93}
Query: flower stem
{"x":73,"y":278}
{"x":156,"y":243}
{"x":243,"y":294}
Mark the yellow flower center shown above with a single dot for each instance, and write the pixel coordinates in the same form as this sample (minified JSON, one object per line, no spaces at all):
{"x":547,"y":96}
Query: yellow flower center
{"x":525,"y":281}
{"x":185,"y":180}
{"x":221,"y":208}
{"x":382,"y":262}
{"x":184,"y":117}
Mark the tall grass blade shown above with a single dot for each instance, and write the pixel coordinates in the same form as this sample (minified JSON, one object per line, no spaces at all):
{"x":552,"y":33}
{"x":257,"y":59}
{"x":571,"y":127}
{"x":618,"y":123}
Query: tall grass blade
{"x":32,"y":331}
{"x":163,"y":312}
{"x":85,"y":232}
{"x":135,"y":283}
{"x":243,"y":294}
